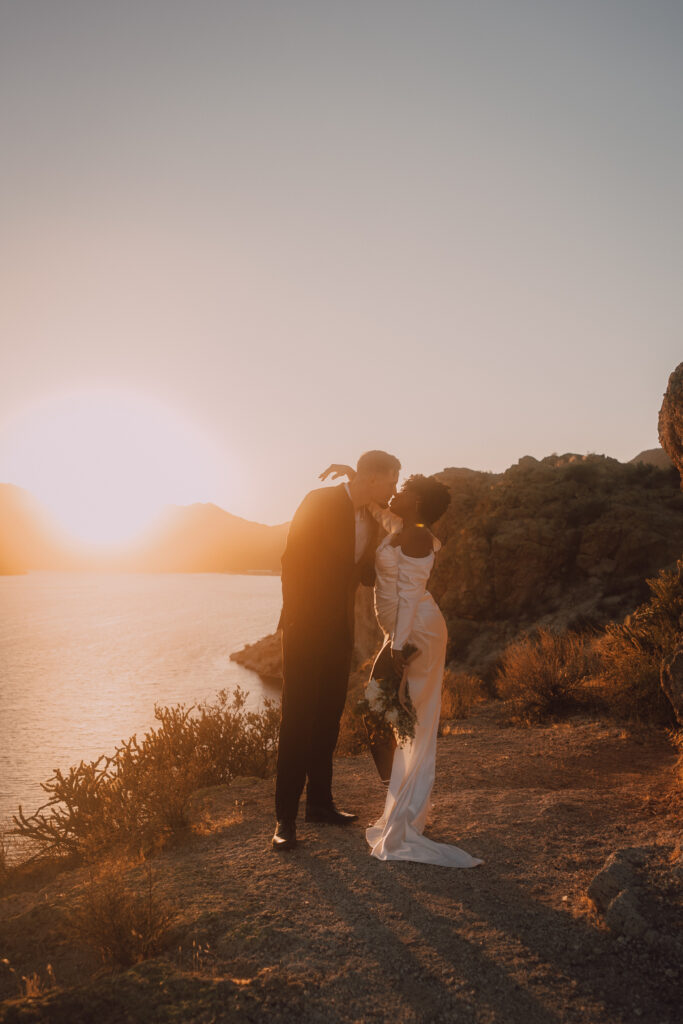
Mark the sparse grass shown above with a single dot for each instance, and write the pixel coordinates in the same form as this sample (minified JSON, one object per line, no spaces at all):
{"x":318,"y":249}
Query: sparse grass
{"x":138,"y":797}
{"x":123,"y":925}
{"x":460,"y":692}
{"x":543,"y":674}
{"x":31,"y":985}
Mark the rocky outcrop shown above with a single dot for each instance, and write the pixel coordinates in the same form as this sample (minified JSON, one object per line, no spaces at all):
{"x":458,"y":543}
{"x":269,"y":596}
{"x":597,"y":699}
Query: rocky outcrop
{"x":671,"y":419}
{"x":564,"y":542}
{"x":637,"y":893}
{"x":615,"y":877}
{"x":265,"y":656}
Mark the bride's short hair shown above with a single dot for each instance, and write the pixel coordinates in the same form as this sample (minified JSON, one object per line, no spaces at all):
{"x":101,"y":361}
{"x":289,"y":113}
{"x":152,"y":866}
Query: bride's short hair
{"x":434,"y":497}
{"x":376,"y":463}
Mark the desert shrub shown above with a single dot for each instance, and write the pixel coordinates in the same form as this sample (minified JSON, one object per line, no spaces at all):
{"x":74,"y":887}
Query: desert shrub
{"x":628,"y":679}
{"x":542,"y":674}
{"x":138,"y":796}
{"x":122,"y":924}
{"x":630,"y":654}
{"x":459,"y":692}
{"x":656,"y":626}
{"x":589,"y":473}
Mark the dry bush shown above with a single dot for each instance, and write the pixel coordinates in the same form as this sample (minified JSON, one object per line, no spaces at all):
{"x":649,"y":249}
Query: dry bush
{"x":122,"y":924}
{"x":459,"y":692}
{"x":139,"y":796}
{"x":629,"y":655}
{"x":628,"y":679}
{"x":656,"y":625}
{"x":543,"y":674}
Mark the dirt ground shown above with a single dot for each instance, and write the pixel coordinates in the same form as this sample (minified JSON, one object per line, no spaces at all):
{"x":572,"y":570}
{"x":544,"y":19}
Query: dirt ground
{"x":325,"y":933}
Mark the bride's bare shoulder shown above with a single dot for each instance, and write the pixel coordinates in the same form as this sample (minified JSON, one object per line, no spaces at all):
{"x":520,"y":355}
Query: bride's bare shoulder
{"x":416,"y":541}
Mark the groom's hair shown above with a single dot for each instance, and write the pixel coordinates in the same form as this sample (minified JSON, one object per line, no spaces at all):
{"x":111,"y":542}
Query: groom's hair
{"x":376,"y":463}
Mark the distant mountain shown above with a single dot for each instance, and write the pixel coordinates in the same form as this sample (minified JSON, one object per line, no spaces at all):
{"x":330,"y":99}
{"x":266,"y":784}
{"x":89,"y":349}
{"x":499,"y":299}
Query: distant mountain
{"x":27,"y":539}
{"x":193,"y":538}
{"x":654,"y":457}
{"x":206,"y":538}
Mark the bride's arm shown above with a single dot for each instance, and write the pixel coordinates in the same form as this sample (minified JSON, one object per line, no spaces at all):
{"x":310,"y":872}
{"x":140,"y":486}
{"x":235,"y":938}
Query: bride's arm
{"x":387,"y":519}
{"x":338,"y":469}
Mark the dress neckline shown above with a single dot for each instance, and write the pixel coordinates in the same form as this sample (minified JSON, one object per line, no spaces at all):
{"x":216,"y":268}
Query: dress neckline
{"x":385,"y":543}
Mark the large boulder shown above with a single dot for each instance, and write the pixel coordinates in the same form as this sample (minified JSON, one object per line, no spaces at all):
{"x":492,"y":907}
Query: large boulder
{"x":671,"y":419}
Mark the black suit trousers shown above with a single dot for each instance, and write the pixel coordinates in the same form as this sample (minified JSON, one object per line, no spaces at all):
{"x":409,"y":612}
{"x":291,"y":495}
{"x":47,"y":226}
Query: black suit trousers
{"x":316,"y":665}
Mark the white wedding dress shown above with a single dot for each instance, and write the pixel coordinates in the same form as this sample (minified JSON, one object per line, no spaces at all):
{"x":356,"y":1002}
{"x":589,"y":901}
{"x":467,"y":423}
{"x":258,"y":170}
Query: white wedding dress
{"x":407,"y":613}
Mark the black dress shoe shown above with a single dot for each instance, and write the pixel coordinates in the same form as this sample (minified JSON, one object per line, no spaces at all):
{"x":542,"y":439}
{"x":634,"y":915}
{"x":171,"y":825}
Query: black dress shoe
{"x":329,"y":815}
{"x":285,"y":836}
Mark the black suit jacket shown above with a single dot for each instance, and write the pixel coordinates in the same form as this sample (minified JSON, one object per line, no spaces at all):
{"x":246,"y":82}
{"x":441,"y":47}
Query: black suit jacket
{"x":319,"y":572}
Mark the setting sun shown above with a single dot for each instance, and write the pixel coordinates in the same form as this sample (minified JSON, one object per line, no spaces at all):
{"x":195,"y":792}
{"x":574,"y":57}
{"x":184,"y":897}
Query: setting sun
{"x":104,"y":462}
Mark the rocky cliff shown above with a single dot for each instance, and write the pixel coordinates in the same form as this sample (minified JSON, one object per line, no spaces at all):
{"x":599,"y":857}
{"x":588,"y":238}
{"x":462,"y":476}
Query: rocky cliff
{"x":671,"y":419}
{"x":564,"y":542}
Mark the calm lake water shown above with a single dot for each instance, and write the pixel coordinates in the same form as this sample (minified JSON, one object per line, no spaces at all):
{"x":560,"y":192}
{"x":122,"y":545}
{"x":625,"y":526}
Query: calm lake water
{"x":85,"y":656}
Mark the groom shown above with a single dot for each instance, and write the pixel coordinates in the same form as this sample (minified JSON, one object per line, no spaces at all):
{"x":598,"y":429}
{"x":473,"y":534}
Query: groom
{"x":330,"y":550}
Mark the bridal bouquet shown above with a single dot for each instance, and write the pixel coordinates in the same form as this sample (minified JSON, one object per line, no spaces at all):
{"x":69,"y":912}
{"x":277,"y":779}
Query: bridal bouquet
{"x":381,"y":705}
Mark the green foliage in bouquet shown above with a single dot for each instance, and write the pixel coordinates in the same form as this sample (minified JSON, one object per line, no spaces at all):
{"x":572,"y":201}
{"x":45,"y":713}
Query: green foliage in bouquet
{"x":381,"y":706}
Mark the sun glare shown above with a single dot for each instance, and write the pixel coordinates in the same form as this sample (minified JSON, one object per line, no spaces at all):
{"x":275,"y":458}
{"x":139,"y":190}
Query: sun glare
{"x":105,"y":462}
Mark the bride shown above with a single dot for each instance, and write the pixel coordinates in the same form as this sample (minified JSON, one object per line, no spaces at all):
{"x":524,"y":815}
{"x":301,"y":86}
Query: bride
{"x":408,"y":615}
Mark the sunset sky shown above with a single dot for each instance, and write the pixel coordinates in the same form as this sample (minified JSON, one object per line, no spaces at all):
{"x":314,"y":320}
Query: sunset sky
{"x":243,"y":239}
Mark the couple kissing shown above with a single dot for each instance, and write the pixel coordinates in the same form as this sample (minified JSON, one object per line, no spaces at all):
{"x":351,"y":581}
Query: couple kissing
{"x":362,"y":532}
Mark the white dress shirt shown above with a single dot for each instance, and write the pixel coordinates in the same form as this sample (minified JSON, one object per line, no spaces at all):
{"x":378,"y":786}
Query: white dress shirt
{"x":362,"y":527}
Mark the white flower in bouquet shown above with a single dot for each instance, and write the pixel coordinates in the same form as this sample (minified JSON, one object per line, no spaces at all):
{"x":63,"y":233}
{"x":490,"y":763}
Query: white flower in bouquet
{"x":373,"y":695}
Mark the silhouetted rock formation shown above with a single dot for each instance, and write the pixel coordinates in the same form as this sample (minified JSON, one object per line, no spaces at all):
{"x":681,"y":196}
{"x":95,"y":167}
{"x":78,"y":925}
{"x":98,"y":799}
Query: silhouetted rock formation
{"x":671,"y":419}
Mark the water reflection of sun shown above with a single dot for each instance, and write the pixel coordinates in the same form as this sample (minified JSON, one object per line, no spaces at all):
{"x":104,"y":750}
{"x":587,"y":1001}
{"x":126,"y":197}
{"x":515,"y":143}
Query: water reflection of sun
{"x":105,"y":461}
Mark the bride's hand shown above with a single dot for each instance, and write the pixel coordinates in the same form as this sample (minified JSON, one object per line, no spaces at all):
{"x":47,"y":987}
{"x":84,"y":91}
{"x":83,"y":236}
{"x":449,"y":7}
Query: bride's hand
{"x":338,"y":469}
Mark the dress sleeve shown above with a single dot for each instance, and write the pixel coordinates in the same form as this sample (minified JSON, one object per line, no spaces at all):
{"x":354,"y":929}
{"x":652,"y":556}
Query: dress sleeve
{"x":413,"y":574}
{"x":385,"y":517}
